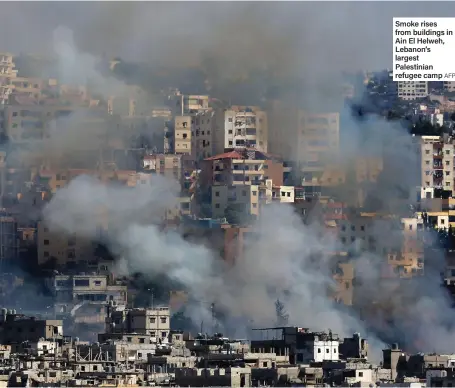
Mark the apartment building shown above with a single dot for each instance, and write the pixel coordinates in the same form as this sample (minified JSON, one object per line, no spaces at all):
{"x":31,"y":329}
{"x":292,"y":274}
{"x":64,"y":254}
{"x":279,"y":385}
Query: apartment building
{"x":7,"y":75}
{"x":181,"y":104}
{"x":84,"y":296}
{"x":31,"y":121}
{"x":449,"y":86}
{"x":318,"y":139}
{"x":203,"y":124}
{"x":61,"y":248}
{"x":241,"y":167}
{"x":409,"y":261}
{"x":228,"y":240}
{"x":182,"y":135}
{"x":167,"y":165}
{"x":241,"y":198}
{"x":412,"y":90}
{"x":240,"y":127}
{"x":437,"y":168}
{"x":17,"y":328}
{"x":153,"y":322}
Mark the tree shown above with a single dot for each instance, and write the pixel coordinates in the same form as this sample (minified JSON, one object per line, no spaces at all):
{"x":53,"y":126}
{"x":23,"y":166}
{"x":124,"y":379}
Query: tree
{"x":282,"y":317}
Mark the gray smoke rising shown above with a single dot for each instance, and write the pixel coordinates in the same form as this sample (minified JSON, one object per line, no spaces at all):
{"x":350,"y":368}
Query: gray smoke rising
{"x":289,"y":260}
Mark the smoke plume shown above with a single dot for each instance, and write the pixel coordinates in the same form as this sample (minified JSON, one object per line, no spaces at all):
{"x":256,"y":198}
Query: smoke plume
{"x":285,"y":259}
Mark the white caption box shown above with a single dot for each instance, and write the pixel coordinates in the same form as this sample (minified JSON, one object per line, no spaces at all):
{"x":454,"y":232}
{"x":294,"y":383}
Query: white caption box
{"x":423,"y":49}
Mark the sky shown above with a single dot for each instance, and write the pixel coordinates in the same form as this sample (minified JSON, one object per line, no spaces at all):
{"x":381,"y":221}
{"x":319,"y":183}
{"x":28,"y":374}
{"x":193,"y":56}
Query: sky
{"x":328,"y":34}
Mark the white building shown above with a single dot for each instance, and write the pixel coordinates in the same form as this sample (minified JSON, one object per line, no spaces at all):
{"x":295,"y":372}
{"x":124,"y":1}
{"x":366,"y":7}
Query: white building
{"x":43,"y":348}
{"x":284,"y":194}
{"x":412,"y":90}
{"x":318,"y":347}
{"x":240,"y":127}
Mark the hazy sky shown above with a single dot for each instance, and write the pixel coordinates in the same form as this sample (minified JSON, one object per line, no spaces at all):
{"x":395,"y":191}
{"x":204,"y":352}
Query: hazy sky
{"x":323,"y":34}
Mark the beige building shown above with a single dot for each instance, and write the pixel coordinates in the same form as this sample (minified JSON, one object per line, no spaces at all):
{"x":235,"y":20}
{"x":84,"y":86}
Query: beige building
{"x":243,"y":198}
{"x":7,"y":74}
{"x":182,"y":135}
{"x":437,"y":168}
{"x":168,"y":165}
{"x":85,"y":296}
{"x":153,"y":322}
{"x":412,"y":90}
{"x":182,"y":105}
{"x":240,"y":127}
{"x":449,"y":86}
{"x":61,"y":247}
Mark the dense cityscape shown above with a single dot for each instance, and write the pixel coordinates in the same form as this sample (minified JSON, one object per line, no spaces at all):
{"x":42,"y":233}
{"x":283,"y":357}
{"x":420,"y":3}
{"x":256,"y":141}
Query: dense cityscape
{"x":212,"y":225}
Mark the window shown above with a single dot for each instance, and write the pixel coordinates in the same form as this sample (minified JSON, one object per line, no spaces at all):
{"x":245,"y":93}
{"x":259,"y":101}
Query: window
{"x":353,"y":228}
{"x":217,"y":206}
{"x":230,"y":120}
{"x":327,"y":350}
{"x":46,"y":242}
{"x":97,"y":282}
{"x":14,"y":114}
{"x":163,"y":334}
{"x":254,"y":193}
{"x":95,"y":367}
{"x":142,"y":340}
{"x":163,"y":320}
{"x":128,"y":339}
{"x":255,"y":205}
{"x":362,"y":228}
{"x":139,"y":355}
{"x":81,"y":282}
{"x":217,"y":193}
{"x":360,"y":374}
{"x":152,"y":320}
{"x":319,"y":350}
{"x":447,"y":173}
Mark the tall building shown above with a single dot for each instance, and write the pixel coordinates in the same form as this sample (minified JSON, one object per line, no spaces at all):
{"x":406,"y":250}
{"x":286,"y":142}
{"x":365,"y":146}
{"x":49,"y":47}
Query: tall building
{"x":436,"y":164}
{"x":193,"y":134}
{"x":7,"y":74}
{"x":240,"y":127}
{"x":182,"y":105}
{"x":412,"y":90}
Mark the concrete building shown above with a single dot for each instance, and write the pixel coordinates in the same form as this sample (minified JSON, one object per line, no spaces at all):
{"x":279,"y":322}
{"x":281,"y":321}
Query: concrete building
{"x":182,"y":135}
{"x":203,"y":124}
{"x":240,"y":127}
{"x":223,"y":377}
{"x":153,"y":322}
{"x":302,"y":345}
{"x":17,"y":328}
{"x":412,"y":90}
{"x":27,"y":120}
{"x":437,"y":168}
{"x":168,"y":165}
{"x":7,"y":74}
{"x":249,"y":167}
{"x":181,"y":104}
{"x":243,"y":198}
{"x":449,"y":86}
{"x":84,"y":297}
{"x":61,"y":248}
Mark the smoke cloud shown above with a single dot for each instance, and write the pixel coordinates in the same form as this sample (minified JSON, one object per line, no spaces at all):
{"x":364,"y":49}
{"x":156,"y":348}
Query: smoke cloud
{"x":285,"y":259}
